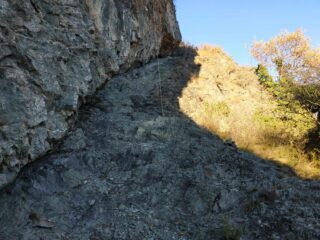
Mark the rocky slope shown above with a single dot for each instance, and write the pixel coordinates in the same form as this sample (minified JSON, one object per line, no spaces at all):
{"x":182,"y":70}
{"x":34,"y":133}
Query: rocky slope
{"x":229,"y":100}
{"x":56,"y":52}
{"x":135,"y":167}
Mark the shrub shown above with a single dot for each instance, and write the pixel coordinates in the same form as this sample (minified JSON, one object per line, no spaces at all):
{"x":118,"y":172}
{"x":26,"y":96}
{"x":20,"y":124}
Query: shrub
{"x":290,"y":119}
{"x":308,"y":95}
{"x":217,"y":109}
{"x":298,"y":67}
{"x":264,"y":77}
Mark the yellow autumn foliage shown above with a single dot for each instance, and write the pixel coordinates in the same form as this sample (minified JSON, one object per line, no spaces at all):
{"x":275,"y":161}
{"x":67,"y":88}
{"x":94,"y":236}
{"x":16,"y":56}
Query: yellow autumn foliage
{"x":291,"y":55}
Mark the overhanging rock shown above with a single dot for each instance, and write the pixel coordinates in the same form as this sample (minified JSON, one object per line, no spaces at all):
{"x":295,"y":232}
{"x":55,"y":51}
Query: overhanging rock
{"x":56,"y":52}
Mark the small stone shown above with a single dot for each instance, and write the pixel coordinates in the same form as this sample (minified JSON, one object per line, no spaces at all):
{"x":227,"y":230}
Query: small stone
{"x":122,"y":207}
{"x":92,"y":202}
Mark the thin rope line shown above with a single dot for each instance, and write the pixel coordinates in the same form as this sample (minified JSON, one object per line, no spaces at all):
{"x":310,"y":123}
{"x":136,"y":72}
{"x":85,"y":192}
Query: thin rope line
{"x":160,"y":89}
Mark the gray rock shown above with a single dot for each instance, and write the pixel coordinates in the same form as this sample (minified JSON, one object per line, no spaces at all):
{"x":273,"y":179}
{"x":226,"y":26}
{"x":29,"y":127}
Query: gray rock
{"x":152,"y":173}
{"x":55,"y":53}
{"x":76,"y":141}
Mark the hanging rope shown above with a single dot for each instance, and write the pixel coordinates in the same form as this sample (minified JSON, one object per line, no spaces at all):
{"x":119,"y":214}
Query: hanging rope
{"x":160,"y":89}
{"x":159,"y":74}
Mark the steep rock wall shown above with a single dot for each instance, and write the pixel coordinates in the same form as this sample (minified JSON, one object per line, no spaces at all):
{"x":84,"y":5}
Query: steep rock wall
{"x":53,"y":53}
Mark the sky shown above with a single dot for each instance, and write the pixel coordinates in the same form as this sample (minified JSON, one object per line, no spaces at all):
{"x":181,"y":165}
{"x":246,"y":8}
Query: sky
{"x":235,"y":24}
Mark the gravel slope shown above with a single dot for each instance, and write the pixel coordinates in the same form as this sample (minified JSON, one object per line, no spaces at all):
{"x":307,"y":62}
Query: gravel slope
{"x":131,"y":169}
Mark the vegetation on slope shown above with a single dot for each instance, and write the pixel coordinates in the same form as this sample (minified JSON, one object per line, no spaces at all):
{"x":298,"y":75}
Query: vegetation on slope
{"x":297,"y":65}
{"x":237,"y":103}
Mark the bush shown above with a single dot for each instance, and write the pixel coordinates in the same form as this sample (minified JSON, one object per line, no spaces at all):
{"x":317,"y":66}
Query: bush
{"x":290,"y":119}
{"x":264,"y":77}
{"x":291,"y":122}
{"x":298,"y":87}
{"x":308,"y":95}
{"x":217,"y":109}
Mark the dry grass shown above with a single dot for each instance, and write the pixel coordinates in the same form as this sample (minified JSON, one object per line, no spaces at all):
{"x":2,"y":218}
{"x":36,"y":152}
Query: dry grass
{"x":225,"y":98}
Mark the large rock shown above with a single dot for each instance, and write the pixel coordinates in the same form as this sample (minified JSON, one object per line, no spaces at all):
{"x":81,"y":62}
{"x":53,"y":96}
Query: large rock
{"x":56,"y":52}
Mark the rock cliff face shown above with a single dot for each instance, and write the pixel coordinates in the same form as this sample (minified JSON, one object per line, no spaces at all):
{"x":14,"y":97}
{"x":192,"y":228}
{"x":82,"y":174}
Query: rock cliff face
{"x":56,"y":52}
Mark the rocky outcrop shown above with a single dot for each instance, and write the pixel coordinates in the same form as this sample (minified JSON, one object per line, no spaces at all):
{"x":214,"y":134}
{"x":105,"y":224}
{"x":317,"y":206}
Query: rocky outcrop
{"x":135,"y":167}
{"x":56,"y":52}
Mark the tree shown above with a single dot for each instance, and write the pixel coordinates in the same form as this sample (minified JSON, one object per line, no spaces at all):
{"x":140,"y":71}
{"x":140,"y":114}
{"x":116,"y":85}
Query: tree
{"x":297,"y":65}
{"x":264,"y":77}
{"x":291,"y":55}
{"x":298,"y":68}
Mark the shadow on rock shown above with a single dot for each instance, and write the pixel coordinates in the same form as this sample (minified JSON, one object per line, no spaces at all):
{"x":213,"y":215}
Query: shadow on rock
{"x":135,"y":167}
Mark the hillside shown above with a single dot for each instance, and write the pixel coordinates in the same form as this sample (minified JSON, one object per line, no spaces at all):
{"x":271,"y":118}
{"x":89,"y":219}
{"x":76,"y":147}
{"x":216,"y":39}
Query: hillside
{"x":136,"y":167}
{"x":229,"y":100}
